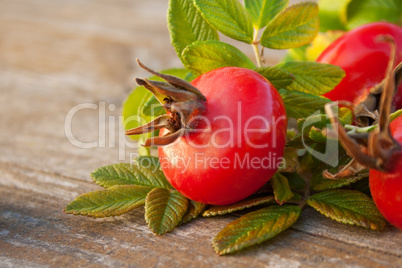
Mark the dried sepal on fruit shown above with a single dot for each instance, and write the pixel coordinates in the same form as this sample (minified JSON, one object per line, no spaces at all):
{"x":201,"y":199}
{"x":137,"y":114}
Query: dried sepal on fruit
{"x":181,"y":100}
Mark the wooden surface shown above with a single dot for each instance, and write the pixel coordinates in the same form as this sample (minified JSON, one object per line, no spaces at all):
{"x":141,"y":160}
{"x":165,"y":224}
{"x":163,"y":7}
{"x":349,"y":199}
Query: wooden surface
{"x":57,"y":54}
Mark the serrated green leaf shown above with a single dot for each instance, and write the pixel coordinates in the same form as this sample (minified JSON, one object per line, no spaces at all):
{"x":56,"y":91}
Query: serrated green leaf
{"x":348,"y":206}
{"x":204,"y":56}
{"x":186,"y":25}
{"x":313,"y":77}
{"x":164,"y":209}
{"x":229,"y":17}
{"x":193,"y":211}
{"x":248,"y":203}
{"x":113,"y":201}
{"x":129,"y":174}
{"x":295,"y":26}
{"x":281,"y":187}
{"x":279,"y":78}
{"x":360,"y":12}
{"x":255,"y":228}
{"x":149,"y":162}
{"x":262,"y":11}
{"x":300,"y":104}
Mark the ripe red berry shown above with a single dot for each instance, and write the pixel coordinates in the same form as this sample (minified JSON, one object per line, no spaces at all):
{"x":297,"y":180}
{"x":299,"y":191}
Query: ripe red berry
{"x":386,"y":187}
{"x":364,"y":60}
{"x":237,"y":144}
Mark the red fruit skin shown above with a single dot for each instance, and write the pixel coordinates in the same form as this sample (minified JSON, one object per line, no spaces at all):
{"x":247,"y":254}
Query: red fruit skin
{"x":363,"y":59}
{"x":386,"y":188}
{"x":234,"y":96}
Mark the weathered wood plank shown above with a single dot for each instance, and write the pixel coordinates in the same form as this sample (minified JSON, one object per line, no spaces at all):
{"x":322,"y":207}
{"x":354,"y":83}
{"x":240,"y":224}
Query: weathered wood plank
{"x":31,"y":221}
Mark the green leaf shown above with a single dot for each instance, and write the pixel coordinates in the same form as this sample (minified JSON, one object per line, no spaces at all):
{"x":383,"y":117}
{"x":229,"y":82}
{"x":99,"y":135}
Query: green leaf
{"x":255,"y":228}
{"x":321,"y":183}
{"x":129,"y":174}
{"x":333,"y":14}
{"x":360,"y":12}
{"x":204,"y":56}
{"x":113,"y":201}
{"x":152,"y":108}
{"x":295,"y":181}
{"x":186,"y":25}
{"x":313,"y":77}
{"x":193,"y":211}
{"x":149,"y":162}
{"x":262,"y":11}
{"x":229,"y":17}
{"x":295,"y":26}
{"x":300,"y":104}
{"x":248,"y":203}
{"x":281,"y":188}
{"x":279,"y":78}
{"x":317,"y":135}
{"x":164,"y":209}
{"x":348,"y":206}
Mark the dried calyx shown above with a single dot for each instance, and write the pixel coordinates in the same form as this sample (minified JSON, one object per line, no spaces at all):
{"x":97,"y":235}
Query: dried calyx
{"x":182,"y":102}
{"x":379,"y":147}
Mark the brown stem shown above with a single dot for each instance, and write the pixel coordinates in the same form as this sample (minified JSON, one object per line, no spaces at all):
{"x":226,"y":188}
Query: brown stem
{"x":351,"y":147}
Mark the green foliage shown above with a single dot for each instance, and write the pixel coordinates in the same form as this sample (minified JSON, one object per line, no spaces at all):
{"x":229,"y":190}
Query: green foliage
{"x":279,"y":78}
{"x":360,"y":12}
{"x":149,"y":162}
{"x":229,"y":17}
{"x":113,"y":201}
{"x":348,"y":206}
{"x":295,"y":26}
{"x":247,"y":203}
{"x":186,"y":25}
{"x":348,"y":14}
{"x":281,"y":188}
{"x":152,"y":108}
{"x":313,"y":77}
{"x":203,"y":56}
{"x":127,"y":174}
{"x":164,"y":209}
{"x":262,"y":11}
{"x":300,"y":104}
{"x":333,"y":14}
{"x":255,"y":228}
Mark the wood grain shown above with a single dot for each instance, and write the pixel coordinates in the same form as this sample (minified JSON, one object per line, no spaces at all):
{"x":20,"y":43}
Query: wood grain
{"x":55,"y":55}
